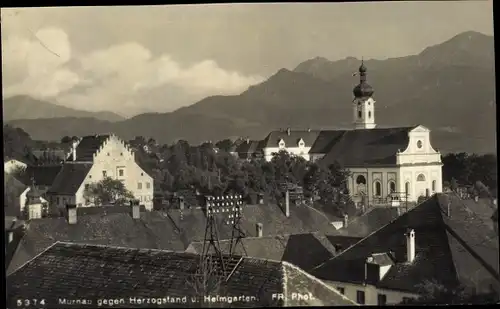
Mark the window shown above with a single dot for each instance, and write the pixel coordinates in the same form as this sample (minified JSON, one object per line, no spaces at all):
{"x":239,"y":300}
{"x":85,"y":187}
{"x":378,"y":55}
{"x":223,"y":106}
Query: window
{"x":421,"y":177}
{"x":382,"y":299}
{"x":359,"y":114}
{"x":139,"y":185}
{"x":433,"y":186}
{"x":407,"y":187}
{"x":361,"y":180}
{"x":121,"y":153}
{"x":108,"y":154}
{"x":341,"y":290}
{"x":392,"y":187}
{"x":360,"y":297}
{"x":370,"y":114}
{"x":369,"y":102}
{"x":87,"y":186}
{"x":419,"y":144}
{"x":104,"y":174}
{"x":120,"y":172}
{"x":58,"y":200}
{"x":148,"y":185}
{"x":378,"y":188}
{"x":142,"y":174}
{"x":406,"y":300}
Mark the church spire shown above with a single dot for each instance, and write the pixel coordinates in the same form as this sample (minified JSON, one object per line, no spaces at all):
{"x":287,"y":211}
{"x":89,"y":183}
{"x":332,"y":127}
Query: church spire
{"x":363,"y":103}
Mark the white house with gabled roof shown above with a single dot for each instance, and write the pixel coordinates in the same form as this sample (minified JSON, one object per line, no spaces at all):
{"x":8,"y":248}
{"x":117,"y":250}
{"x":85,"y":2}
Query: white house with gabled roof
{"x":94,"y":158}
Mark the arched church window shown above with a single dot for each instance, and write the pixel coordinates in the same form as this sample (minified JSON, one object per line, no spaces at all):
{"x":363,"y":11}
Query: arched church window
{"x":359,"y":114}
{"x":361,"y":180}
{"x":407,"y":187}
{"x":378,"y":188}
{"x":392,"y":187}
{"x":421,"y":177}
{"x":433,"y":186}
{"x":369,"y":114}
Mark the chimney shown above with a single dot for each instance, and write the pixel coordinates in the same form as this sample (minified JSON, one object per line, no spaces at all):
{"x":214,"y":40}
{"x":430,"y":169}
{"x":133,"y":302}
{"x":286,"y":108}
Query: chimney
{"x":248,"y":140}
{"x":448,"y":208}
{"x":73,"y":150}
{"x":308,"y":129}
{"x":287,"y":203}
{"x":259,"y":229}
{"x":71,"y":213}
{"x":476,"y":198}
{"x":410,"y":245}
{"x":11,"y":236}
{"x":288,"y":131}
{"x":346,"y":220}
{"x":495,"y":201}
{"x":181,"y":203}
{"x":136,"y":209}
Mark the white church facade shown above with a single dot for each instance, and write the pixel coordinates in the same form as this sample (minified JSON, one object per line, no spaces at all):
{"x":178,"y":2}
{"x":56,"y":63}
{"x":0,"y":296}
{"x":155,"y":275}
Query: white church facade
{"x":385,"y":164}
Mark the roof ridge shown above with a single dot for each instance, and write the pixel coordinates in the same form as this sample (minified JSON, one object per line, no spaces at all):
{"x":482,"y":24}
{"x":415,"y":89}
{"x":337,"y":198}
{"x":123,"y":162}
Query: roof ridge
{"x":372,"y":233}
{"x":321,"y":282}
{"x":33,"y":258}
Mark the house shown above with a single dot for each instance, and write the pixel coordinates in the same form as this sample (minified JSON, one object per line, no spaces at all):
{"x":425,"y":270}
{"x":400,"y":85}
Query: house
{"x":305,"y":250}
{"x":14,"y":231}
{"x":439,"y":241}
{"x":16,"y":195}
{"x":243,"y":282}
{"x":173,"y":230}
{"x":297,"y":142}
{"x":94,"y":158}
{"x":248,"y":149}
{"x":49,"y":156}
{"x":387,"y":165}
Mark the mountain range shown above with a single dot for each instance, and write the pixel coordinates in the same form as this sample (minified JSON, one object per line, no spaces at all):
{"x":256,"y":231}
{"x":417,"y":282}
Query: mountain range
{"x":25,"y":107}
{"x":449,"y":88}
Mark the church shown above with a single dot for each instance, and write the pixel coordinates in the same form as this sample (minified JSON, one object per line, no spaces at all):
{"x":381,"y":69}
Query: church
{"x":385,"y":164}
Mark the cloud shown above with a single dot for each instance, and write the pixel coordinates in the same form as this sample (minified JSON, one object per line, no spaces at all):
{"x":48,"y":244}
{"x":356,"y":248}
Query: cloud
{"x":123,"y":78}
{"x":35,"y":65}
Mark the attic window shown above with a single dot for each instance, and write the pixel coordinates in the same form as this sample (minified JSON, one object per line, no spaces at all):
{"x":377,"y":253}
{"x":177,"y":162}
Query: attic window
{"x":121,"y":153}
{"x":90,"y":176}
{"x":108,"y":153}
{"x":142,"y":174}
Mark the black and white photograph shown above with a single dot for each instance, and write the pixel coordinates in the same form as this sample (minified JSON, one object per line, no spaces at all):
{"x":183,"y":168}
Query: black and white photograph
{"x":250,"y":155}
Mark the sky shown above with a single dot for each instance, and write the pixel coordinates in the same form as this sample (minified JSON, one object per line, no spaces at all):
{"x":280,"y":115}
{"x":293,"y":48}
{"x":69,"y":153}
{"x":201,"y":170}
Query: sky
{"x":135,"y":59}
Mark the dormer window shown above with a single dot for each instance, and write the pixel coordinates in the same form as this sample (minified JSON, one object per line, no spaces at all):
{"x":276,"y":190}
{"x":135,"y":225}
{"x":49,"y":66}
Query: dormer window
{"x":281,"y":144}
{"x":301,"y":143}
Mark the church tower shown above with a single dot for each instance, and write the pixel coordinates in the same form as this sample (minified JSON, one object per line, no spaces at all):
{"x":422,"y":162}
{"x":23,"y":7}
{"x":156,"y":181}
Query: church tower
{"x":363,"y":103}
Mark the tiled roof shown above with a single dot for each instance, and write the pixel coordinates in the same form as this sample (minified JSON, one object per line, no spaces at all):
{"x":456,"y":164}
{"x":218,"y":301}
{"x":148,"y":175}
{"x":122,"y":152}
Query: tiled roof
{"x":306,"y":250}
{"x":292,"y":139}
{"x":483,"y":208}
{"x":10,"y":248}
{"x":13,"y":189}
{"x":247,"y":149}
{"x":367,"y":147}
{"x":99,"y":272}
{"x":158,"y":230}
{"x":43,"y":175}
{"x":450,"y":250}
{"x":88,"y":146}
{"x":57,"y":154}
{"x":70,"y":178}
{"x":325,"y":141}
{"x":370,"y":221}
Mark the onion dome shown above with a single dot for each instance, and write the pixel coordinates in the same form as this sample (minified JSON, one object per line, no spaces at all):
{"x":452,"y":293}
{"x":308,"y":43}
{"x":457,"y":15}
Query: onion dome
{"x":363,"y":89}
{"x":33,"y":195}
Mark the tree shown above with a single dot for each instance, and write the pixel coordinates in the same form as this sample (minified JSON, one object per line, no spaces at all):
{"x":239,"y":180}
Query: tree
{"x":206,"y":281}
{"x":107,"y":191}
{"x":224,"y":145}
{"x":66,"y":140}
{"x":454,"y":185}
{"x":434,"y":293}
